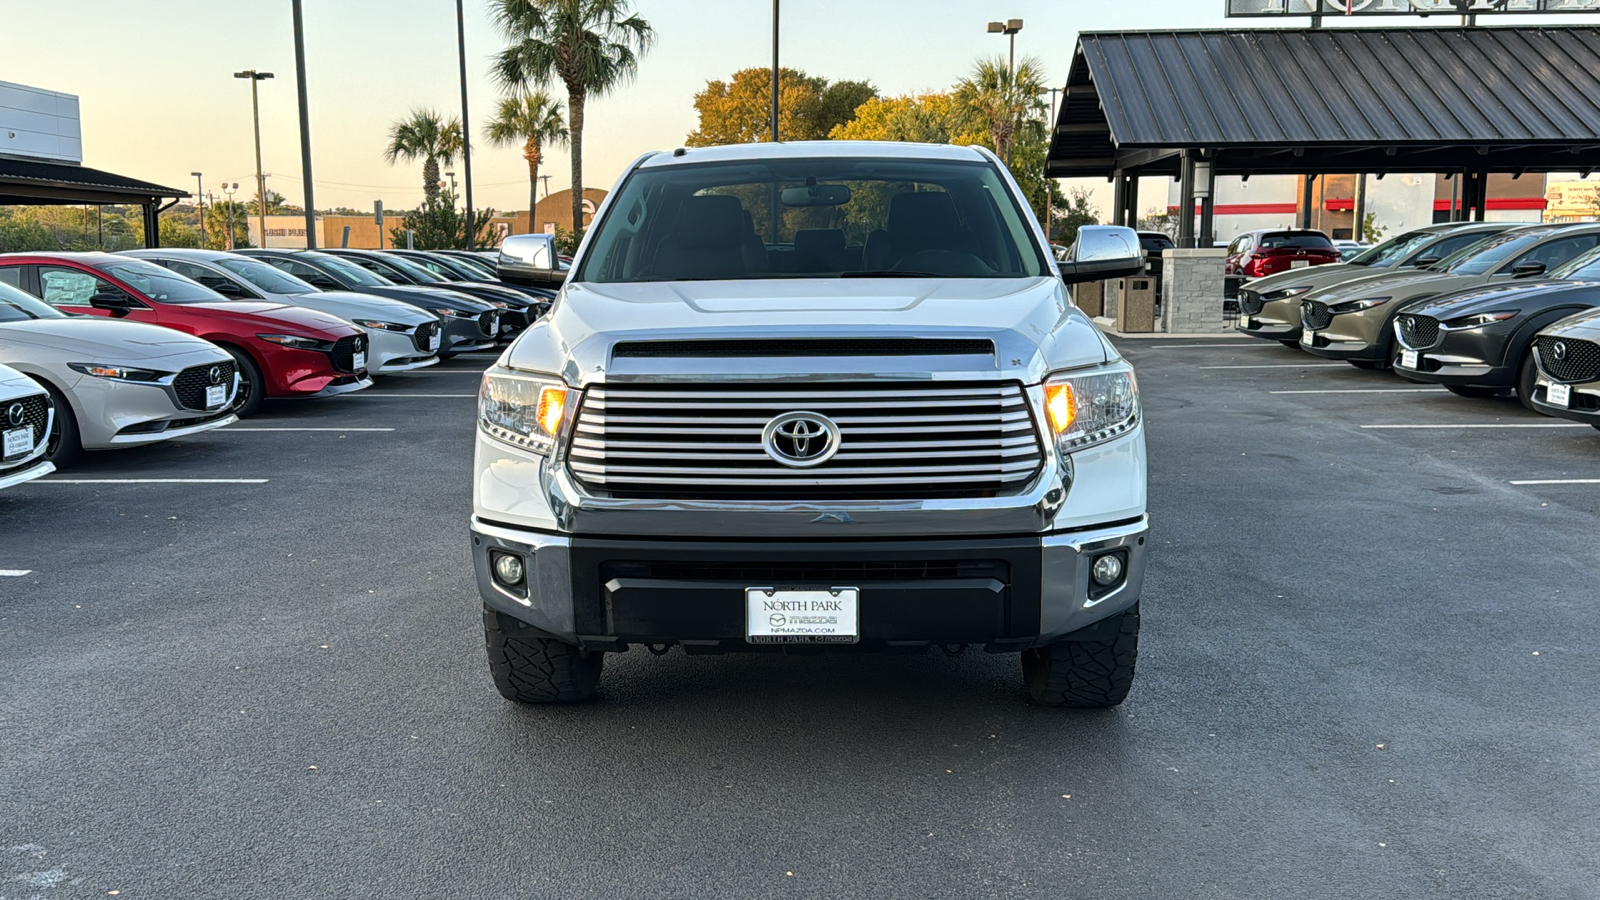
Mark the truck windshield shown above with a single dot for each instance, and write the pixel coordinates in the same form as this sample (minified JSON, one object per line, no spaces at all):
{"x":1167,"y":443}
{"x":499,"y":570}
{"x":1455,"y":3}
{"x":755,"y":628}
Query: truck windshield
{"x":813,"y":218}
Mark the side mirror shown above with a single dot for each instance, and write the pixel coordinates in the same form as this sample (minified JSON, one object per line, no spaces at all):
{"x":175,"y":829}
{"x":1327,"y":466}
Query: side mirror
{"x":1527,"y":269}
{"x":530,"y":259}
{"x":1100,"y":252}
{"x":111,"y":299}
{"x":1426,"y":261}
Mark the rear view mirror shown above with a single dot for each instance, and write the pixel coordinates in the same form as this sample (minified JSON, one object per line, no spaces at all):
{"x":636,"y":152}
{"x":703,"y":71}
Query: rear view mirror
{"x":1426,"y":261}
{"x":1100,"y":252}
{"x":1527,"y":269}
{"x":817,"y":195}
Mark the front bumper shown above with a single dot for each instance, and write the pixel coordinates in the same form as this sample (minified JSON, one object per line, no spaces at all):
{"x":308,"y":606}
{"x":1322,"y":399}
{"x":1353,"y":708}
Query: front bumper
{"x":1346,"y":341}
{"x":465,"y":335}
{"x":19,"y":475}
{"x":1276,"y":320}
{"x":129,"y":414}
{"x":1005,"y":593}
{"x":394,"y":351}
{"x":1474,"y":357}
{"x":1582,"y":406}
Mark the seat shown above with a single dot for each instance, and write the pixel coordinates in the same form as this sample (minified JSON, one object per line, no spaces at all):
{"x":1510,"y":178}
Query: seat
{"x":918,"y":221}
{"x":708,"y":241}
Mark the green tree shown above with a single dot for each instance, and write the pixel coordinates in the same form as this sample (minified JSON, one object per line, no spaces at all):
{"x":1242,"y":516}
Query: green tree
{"x":739,"y":111}
{"x":277,"y":205}
{"x":532,"y":120}
{"x":1002,"y":99}
{"x":839,"y":103}
{"x":590,"y":46}
{"x":1028,"y":152}
{"x":224,"y":217}
{"x":439,"y":225}
{"x":177,"y":233}
{"x":925,"y":118}
{"x":428,"y":136}
{"x":18,"y":235}
{"x":1077,"y":211}
{"x":1370,"y":232}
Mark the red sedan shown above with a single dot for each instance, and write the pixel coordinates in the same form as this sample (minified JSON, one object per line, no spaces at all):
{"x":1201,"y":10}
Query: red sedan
{"x":1257,"y":254}
{"x":282,"y":351}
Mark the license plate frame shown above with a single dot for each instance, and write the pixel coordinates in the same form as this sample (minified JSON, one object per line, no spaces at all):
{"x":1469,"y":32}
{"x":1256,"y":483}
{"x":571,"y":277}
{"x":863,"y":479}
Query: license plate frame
{"x":17,"y":442}
{"x":358,"y":361}
{"x":216,"y":396}
{"x":1559,"y":395}
{"x":433,"y":341}
{"x":1308,"y":337}
{"x":1299,"y":263}
{"x":1410,"y":359}
{"x":802,"y":615}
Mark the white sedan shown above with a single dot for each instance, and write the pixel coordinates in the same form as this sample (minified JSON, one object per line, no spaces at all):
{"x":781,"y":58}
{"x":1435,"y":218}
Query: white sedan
{"x":25,"y":417}
{"x":400,"y":336}
{"x":115,"y":384}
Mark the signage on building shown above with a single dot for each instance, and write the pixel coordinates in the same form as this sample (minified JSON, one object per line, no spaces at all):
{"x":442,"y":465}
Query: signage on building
{"x":1405,"y":7}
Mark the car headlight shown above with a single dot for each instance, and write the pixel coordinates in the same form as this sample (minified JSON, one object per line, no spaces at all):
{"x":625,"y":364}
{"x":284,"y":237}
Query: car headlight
{"x":1358,"y":305}
{"x":1091,"y":408}
{"x":1285,"y":294}
{"x":381,"y":326}
{"x":522,"y":410}
{"x":118,"y":373}
{"x":296,"y":341}
{"x":453,"y":314}
{"x":1477,"y":321}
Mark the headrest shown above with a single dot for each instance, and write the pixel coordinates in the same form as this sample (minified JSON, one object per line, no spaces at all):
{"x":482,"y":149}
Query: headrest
{"x":924,"y":219}
{"x":709,"y":221}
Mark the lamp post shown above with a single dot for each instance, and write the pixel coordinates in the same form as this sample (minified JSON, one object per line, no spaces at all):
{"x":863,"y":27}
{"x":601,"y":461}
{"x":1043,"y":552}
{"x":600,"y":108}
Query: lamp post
{"x":466,"y":125}
{"x":774,"y":75}
{"x":261,"y":180}
{"x":305,"y":128}
{"x":1049,"y":183}
{"x":200,"y":203}
{"x":450,"y":174}
{"x":228,"y":210}
{"x":1009,"y":28}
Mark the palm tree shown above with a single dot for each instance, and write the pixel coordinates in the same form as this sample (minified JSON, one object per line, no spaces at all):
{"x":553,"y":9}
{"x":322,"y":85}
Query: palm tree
{"x":1002,"y":99}
{"x":590,"y":46}
{"x":532,"y":120}
{"x":427,"y":136}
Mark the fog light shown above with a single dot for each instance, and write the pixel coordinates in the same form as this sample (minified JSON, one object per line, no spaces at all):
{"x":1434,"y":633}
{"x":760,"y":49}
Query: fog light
{"x":1107,"y":570}
{"x":508,"y":569}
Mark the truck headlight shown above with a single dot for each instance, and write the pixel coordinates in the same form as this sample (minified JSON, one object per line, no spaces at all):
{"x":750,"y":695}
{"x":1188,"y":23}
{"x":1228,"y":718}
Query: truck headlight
{"x":1091,"y":408}
{"x":522,"y":410}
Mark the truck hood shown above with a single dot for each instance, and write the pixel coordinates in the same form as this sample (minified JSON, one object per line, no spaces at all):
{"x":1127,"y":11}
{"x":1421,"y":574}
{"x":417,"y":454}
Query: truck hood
{"x":1526,"y":296}
{"x":1034,"y":329}
{"x":101,"y":340}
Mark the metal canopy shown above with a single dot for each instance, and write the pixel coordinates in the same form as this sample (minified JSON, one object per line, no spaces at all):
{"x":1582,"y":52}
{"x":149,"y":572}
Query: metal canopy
{"x":31,"y":182}
{"x":1341,"y":100}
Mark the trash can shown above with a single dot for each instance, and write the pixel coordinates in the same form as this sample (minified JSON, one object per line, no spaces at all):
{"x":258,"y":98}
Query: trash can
{"x":1137,"y":313}
{"x":1090,"y":296}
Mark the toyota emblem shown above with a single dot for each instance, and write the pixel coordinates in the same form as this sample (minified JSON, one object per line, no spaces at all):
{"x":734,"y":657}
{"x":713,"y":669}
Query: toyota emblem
{"x":15,"y":413}
{"x":1559,"y":351}
{"x":214,"y":375}
{"x":801,"y":439}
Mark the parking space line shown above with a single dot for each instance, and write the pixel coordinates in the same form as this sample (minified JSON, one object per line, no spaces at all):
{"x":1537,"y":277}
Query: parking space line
{"x":15,"y":573}
{"x":1326,"y":365}
{"x":1559,"y":481}
{"x":150,"y":481}
{"x":1432,"y":390}
{"x":1497,"y":425}
{"x":1254,"y":345}
{"x":389,"y":394}
{"x":231,"y":428}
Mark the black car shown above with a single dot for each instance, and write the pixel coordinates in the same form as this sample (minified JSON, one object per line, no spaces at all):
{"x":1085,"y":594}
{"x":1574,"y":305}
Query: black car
{"x":457,"y":269}
{"x":1478,"y":343}
{"x":404,"y":271}
{"x":467,"y":323}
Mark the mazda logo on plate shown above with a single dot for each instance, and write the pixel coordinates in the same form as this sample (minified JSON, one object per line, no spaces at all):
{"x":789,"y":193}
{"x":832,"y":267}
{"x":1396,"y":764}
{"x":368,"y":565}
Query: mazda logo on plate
{"x":15,"y":413}
{"x":801,"y":439}
{"x":214,"y":375}
{"x":1559,"y":351}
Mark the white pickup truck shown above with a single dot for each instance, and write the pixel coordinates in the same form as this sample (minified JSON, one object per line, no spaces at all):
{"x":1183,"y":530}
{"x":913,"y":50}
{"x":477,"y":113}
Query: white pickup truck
{"x":815,"y":395}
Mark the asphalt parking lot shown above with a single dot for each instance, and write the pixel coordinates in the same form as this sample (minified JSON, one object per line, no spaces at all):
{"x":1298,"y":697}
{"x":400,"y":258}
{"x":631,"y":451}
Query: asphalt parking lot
{"x":1369,"y":668}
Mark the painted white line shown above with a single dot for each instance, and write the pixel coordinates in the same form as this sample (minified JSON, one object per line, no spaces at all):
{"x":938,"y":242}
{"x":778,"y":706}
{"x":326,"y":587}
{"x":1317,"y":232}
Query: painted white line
{"x":341,"y":430}
{"x":1530,"y":481}
{"x":151,"y":481}
{"x":1507,"y":425}
{"x":388,"y":394}
{"x":18,"y":573}
{"x":1365,"y":391}
{"x":1254,"y":345}
{"x":1326,"y":365}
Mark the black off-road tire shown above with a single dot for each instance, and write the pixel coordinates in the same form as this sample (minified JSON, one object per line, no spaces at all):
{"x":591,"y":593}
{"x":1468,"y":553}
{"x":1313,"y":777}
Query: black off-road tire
{"x":1473,"y":391}
{"x":530,"y":668}
{"x":1094,"y":672}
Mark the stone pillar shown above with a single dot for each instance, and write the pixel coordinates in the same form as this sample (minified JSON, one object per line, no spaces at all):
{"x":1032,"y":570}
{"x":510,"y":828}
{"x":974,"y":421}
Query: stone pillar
{"x":1192,"y":290}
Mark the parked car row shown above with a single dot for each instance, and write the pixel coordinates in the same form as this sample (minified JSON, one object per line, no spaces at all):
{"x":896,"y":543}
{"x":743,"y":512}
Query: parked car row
{"x":1484,"y":309}
{"x":100,"y":351}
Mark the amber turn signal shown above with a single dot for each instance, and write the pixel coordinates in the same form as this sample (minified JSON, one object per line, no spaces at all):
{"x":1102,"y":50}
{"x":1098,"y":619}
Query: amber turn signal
{"x":552,"y":407}
{"x":1061,"y":405}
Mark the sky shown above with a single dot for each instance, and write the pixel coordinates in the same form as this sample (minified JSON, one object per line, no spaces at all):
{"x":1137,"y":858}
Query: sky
{"x":158,"y":100}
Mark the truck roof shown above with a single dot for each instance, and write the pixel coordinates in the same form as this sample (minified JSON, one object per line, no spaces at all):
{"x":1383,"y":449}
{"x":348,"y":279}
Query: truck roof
{"x":812,"y":150}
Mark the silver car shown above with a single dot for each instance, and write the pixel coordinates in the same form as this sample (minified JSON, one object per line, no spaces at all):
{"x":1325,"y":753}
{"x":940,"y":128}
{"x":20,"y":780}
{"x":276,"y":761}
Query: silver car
{"x":115,"y":384}
{"x":400,"y":336}
{"x":26,"y":414}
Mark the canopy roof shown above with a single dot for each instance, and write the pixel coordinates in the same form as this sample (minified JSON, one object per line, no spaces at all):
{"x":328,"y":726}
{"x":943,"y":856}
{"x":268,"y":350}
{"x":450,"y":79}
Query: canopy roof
{"x":36,"y":182}
{"x":1332,"y":100}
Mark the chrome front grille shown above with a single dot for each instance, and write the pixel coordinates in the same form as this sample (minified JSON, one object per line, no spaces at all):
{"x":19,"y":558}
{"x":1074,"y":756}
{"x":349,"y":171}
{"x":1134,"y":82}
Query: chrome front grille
{"x":1314,"y":315}
{"x":1418,"y":332}
{"x":1568,"y":360}
{"x":896,"y":441}
{"x":1250,"y":303}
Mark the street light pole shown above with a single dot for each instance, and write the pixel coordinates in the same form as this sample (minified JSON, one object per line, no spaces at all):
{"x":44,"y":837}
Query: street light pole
{"x":774,"y":71}
{"x":261,"y":180}
{"x":466,"y":125}
{"x":227,"y":189}
{"x":1009,"y":28}
{"x":305,"y":129}
{"x":1049,"y":183}
{"x":200,"y":204}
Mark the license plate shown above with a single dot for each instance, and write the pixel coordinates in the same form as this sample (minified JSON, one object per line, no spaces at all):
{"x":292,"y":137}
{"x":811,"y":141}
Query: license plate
{"x":18,"y":441}
{"x":1245,"y":324}
{"x":433,"y":341}
{"x":216,"y":395}
{"x":1307,"y":336}
{"x":778,"y":616}
{"x":1408,"y":358}
{"x":359,"y":361}
{"x":1558,"y":395}
{"x":1299,"y":263}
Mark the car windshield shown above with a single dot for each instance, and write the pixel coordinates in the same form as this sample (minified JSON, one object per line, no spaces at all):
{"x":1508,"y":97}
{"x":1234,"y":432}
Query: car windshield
{"x":353,"y":273}
{"x":1392,"y":251}
{"x":438,"y":267}
{"x":416,"y":272}
{"x":265,"y":277}
{"x":813,"y":218}
{"x":1479,"y":258}
{"x":1582,"y":267}
{"x":17,"y":306}
{"x":161,"y":285}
